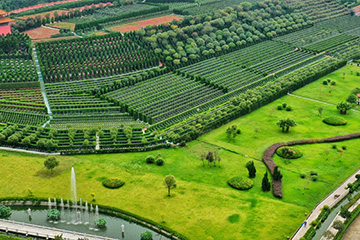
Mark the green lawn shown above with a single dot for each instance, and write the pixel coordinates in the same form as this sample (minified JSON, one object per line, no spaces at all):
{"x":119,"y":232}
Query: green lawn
{"x":333,"y":94}
{"x":203,"y":204}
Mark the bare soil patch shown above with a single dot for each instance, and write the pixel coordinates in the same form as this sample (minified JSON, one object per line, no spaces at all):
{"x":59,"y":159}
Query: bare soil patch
{"x":143,"y":23}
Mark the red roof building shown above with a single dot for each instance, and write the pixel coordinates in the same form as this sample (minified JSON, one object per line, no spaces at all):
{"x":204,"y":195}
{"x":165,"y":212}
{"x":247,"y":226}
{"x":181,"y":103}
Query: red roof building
{"x":5,"y":23}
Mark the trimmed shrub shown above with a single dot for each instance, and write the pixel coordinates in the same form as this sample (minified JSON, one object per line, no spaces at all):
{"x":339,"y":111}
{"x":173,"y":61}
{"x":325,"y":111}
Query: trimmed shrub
{"x":314,"y":178}
{"x":284,"y":105}
{"x":325,"y":82}
{"x":335,"y":121}
{"x":289,"y":153}
{"x":241,"y":183}
{"x":113,"y":183}
{"x":100,"y":223}
{"x":5,"y":212}
{"x":279,"y":107}
{"x":302,"y":175}
{"x":313,"y":173}
{"x":146,"y":236}
{"x":150,"y":159}
{"x":53,"y":215}
{"x":288,"y":108}
{"x":160,"y":162}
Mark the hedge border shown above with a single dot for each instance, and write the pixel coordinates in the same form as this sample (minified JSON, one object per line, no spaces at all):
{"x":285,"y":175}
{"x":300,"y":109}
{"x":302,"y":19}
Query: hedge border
{"x":270,"y":151}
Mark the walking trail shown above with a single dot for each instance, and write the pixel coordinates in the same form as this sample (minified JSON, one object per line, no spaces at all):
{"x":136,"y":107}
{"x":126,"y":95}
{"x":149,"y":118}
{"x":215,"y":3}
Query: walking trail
{"x":27,"y":151}
{"x":331,"y":200}
{"x":314,"y":100}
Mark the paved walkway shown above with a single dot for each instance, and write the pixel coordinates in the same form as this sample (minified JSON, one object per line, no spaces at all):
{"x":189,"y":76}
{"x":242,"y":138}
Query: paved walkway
{"x":27,"y":151}
{"x":44,"y":232}
{"x":42,"y":84}
{"x":330,"y":200}
{"x":314,"y":100}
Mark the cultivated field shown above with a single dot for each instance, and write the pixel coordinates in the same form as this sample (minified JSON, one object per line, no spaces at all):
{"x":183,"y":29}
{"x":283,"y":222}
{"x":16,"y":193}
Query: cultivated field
{"x":143,"y":23}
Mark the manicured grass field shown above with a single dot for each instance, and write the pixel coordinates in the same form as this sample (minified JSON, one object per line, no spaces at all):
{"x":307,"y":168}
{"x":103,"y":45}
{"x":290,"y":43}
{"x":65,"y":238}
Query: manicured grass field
{"x":203,"y":204}
{"x":333,"y":94}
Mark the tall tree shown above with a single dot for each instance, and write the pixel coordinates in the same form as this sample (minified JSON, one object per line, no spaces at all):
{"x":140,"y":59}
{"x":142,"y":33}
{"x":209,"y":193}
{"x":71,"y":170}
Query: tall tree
{"x":251,"y":168}
{"x":50,"y":163}
{"x":170,"y":182}
{"x":265,"y":183}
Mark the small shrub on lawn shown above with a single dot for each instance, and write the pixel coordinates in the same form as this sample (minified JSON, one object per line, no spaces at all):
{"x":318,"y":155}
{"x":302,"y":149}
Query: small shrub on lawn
{"x":335,"y":121}
{"x":279,"y":107}
{"x":314,"y":178}
{"x":241,"y":183}
{"x":284,"y":105}
{"x":333,"y":83}
{"x":334,"y":146}
{"x":160,"y":162}
{"x":289,"y":153}
{"x":302,"y":175}
{"x":288,"y":108}
{"x":150,"y":159}
{"x":344,"y":147}
{"x":325,"y":82}
{"x":113,"y":183}
{"x":313,"y":173}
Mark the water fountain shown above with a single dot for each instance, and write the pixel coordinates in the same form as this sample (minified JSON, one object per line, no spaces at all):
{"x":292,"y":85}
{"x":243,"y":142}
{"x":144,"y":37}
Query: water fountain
{"x":62,"y":217}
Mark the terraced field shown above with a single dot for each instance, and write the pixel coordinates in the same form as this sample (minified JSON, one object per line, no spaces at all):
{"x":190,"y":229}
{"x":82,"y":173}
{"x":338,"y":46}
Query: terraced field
{"x":330,"y":43}
{"x":28,"y":100}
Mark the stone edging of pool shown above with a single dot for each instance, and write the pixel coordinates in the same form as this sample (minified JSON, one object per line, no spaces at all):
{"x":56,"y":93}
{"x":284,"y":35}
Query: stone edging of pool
{"x":41,"y":202}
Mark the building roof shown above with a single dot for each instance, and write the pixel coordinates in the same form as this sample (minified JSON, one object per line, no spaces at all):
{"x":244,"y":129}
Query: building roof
{"x":5,"y":30}
{"x":5,"y":20}
{"x":2,"y":12}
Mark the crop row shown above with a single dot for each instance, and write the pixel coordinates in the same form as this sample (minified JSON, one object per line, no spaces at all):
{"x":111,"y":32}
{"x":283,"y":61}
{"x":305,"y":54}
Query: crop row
{"x":340,"y":24}
{"x":22,"y":118}
{"x":222,"y":73}
{"x":29,"y":100}
{"x":90,"y":121}
{"x":109,"y":12}
{"x":354,"y":32}
{"x":306,"y":36}
{"x":75,"y":59}
{"x":257,"y":53}
{"x":164,"y":96}
{"x":277,"y":63}
{"x":330,"y":43}
{"x":318,"y":10}
{"x":17,"y":70}
{"x":347,"y":50}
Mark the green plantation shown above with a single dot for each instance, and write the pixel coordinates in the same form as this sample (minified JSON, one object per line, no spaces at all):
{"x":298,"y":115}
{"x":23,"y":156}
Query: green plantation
{"x":200,"y":98}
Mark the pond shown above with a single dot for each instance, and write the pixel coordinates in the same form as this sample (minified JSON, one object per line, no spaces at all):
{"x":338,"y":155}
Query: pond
{"x":84,"y":223}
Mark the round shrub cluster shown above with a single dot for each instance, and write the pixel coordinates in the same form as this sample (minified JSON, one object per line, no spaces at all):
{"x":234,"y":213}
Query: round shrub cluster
{"x":160,"y":162}
{"x":241,"y":183}
{"x":53,"y":215}
{"x":335,"y":121}
{"x":150,"y":159}
{"x":113,"y":183}
{"x":146,"y":236}
{"x":100,"y":223}
{"x":5,"y":212}
{"x":289,"y":153}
